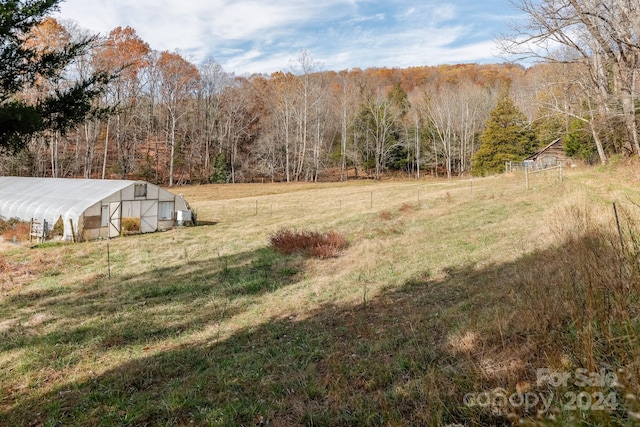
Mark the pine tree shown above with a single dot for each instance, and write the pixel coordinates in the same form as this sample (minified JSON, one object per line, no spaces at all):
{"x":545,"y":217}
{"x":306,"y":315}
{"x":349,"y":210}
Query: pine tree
{"x":220,"y":169}
{"x":507,"y":137}
{"x":23,"y":65}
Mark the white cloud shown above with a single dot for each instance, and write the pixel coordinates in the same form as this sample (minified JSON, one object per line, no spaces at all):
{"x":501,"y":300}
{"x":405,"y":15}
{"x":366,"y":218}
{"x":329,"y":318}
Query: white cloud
{"x":248,"y":36}
{"x":376,"y":17}
{"x":258,"y":62}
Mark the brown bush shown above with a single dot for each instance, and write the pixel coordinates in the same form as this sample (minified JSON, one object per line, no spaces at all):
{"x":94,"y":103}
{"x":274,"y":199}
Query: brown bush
{"x":19,"y":230}
{"x":130,"y":225}
{"x":309,"y":243}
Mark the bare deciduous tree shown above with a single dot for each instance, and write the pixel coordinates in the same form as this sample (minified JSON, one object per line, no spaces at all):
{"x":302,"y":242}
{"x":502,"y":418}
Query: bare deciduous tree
{"x":601,"y":35}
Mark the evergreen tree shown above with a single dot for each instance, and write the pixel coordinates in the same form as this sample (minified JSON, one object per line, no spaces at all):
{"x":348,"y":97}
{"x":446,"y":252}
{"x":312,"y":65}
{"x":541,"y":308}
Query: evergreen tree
{"x":507,"y":137}
{"x":23,"y":65}
{"x":220,"y":169}
{"x":398,"y":96}
{"x":398,"y":157}
{"x":578,"y":142}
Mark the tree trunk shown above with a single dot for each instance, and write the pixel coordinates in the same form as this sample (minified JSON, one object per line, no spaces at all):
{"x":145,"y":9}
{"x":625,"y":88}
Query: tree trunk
{"x":172,"y":142}
{"x":106,"y":148}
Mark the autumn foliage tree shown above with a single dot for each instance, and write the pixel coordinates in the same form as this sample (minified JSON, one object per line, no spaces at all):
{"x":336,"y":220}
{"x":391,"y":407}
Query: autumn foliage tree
{"x":169,"y":121}
{"x":125,"y":53}
{"x":179,"y":82}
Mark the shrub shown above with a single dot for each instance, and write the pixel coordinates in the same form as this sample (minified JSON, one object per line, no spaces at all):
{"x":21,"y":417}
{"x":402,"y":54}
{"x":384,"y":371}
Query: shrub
{"x":309,"y":243}
{"x":8,"y":224}
{"x":14,"y":228}
{"x":130,"y":225}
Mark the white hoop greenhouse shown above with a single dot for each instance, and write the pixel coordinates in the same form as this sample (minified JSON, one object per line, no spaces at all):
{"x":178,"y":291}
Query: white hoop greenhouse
{"x":90,"y":209}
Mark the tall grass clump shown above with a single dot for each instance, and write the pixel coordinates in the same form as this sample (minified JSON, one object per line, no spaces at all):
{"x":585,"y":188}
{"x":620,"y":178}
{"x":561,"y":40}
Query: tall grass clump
{"x":593,"y":286}
{"x":576,"y":307}
{"x":308,"y":243}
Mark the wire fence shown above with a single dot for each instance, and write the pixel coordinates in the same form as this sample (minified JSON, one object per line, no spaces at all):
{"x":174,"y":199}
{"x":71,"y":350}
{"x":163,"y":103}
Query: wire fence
{"x":547,"y":162}
{"x":547,"y":175}
{"x":330,"y":202}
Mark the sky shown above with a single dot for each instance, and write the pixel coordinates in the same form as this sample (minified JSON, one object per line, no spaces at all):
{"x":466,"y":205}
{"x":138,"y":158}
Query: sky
{"x":264,"y":36}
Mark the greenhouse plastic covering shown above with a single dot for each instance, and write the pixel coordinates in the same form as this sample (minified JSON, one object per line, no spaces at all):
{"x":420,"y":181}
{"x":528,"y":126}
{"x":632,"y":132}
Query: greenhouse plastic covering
{"x":52,"y":198}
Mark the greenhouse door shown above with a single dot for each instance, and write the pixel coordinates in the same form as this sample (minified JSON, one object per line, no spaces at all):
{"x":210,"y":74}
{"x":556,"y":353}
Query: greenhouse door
{"x":115,"y":217}
{"x":149,"y":216}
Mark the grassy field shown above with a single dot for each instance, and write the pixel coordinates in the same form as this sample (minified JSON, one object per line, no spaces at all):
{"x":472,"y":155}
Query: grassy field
{"x":449,"y":299}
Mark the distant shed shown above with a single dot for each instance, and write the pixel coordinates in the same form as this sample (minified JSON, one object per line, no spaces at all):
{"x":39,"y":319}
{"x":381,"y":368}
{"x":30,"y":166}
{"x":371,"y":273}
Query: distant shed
{"x":90,"y":209}
{"x":551,"y":155}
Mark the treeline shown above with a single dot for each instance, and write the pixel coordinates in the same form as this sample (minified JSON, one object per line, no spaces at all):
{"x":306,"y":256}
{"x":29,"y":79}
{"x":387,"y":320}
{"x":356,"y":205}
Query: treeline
{"x":169,"y":121}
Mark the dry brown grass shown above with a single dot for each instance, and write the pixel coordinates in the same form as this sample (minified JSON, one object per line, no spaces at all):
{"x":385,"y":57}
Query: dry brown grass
{"x":308,"y":243}
{"x":409,"y":207}
{"x":386,"y":215}
{"x":4,"y":265}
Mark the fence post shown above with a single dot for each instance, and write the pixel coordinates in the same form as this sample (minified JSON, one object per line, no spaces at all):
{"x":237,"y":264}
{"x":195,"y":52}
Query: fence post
{"x":526,"y":177}
{"x":73,"y":232}
{"x":561,"y":172}
{"x":615,"y":212}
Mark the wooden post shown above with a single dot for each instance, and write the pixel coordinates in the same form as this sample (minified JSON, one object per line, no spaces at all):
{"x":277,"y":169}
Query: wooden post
{"x":561,"y":172}
{"x":372,"y":200}
{"x":73,"y":232}
{"x":108,"y":261}
{"x":526,"y":177}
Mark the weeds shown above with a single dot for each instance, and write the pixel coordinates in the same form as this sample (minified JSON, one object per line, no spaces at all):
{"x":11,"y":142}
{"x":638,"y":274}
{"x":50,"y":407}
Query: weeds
{"x":574,"y":307}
